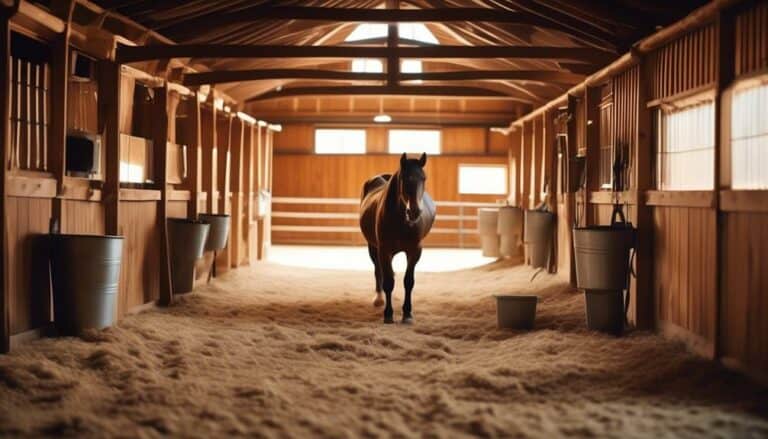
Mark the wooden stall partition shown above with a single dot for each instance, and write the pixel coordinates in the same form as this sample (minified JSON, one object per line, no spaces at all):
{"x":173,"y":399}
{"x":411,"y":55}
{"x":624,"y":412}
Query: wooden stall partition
{"x":514,"y":164}
{"x":140,"y":281}
{"x":162,"y":111}
{"x":207,"y":167}
{"x":526,"y":164}
{"x":247,"y":196}
{"x":237,"y":155}
{"x":743,"y":335}
{"x":5,"y":119}
{"x":224,"y":137}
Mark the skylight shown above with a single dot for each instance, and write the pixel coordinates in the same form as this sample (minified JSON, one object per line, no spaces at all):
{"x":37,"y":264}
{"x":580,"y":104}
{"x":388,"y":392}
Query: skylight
{"x":367,"y":65}
{"x":410,"y":31}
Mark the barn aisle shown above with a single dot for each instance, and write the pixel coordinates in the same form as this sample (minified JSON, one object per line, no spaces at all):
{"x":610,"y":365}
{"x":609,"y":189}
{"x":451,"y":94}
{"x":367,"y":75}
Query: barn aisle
{"x":276,"y":351}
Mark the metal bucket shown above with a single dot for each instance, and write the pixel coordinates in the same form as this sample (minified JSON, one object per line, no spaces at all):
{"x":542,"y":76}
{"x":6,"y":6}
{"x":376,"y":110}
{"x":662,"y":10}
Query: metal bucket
{"x":602,"y":256}
{"x":85,"y":271}
{"x":605,"y":311}
{"x":186,"y":239}
{"x":516,"y":312}
{"x":486,"y":225}
{"x":510,"y":229}
{"x":539,"y":227}
{"x":219,"y":231}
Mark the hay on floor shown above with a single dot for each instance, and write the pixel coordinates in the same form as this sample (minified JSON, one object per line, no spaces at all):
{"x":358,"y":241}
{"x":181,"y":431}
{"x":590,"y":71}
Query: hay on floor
{"x":277,"y":351}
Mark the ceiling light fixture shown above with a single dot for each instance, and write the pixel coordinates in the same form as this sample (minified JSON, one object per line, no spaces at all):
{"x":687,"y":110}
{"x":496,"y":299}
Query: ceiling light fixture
{"x":382,"y":118}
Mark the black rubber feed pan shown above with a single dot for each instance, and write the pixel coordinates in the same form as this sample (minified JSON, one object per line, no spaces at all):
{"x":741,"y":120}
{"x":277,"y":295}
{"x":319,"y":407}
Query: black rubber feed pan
{"x":86,"y":272}
{"x":187,"y":241}
{"x":219,"y":231}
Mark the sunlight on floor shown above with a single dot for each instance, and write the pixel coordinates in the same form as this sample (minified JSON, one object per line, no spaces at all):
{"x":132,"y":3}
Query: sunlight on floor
{"x":356,"y":258}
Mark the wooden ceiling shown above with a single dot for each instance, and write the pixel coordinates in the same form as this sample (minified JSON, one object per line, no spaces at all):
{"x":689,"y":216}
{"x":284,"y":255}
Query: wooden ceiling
{"x":525,"y":51}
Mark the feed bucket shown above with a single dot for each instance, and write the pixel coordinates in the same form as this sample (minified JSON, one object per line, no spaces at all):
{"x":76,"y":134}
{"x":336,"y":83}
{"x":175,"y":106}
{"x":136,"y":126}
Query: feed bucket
{"x":516,"y":312}
{"x":186,"y":239}
{"x":510,"y":229}
{"x":605,"y":311}
{"x":487,"y":225}
{"x":85,"y":273}
{"x":219,"y":231}
{"x":602,"y":256}
{"x":539,"y":227}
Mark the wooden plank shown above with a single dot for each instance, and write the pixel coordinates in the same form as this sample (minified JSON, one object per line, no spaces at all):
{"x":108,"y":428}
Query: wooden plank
{"x":387,"y":90}
{"x":5,"y":136}
{"x":35,"y":187}
{"x":109,"y":111}
{"x":682,"y":198}
{"x":130,"y":54}
{"x":162,"y":113}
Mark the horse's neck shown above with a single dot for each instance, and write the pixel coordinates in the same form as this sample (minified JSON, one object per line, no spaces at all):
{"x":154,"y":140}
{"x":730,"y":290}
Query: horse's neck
{"x":392,"y":199}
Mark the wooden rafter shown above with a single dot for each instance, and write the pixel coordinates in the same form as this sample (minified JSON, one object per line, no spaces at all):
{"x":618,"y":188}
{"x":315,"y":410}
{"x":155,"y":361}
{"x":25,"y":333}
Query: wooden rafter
{"x":128,"y":54}
{"x":221,"y":77}
{"x":398,"y":90}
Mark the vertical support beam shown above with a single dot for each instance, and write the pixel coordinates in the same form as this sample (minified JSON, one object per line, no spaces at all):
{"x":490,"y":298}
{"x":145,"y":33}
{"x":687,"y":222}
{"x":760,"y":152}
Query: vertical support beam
{"x":248,"y":154}
{"x":194,"y":162}
{"x":393,"y":62}
{"x":160,"y":159}
{"x":210,"y":161}
{"x":237,"y":155}
{"x":109,"y":114}
{"x":726,"y":42}
{"x":260,"y":140}
{"x":644,"y":315}
{"x":223,"y":182}
{"x":5,"y":119}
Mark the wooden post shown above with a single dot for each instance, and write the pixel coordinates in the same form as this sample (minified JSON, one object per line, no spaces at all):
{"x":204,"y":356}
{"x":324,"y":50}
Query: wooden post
{"x":210,"y":140}
{"x":593,"y":164}
{"x":249,"y":192}
{"x":236,"y":181}
{"x":194,"y":162}
{"x":109,"y":113}
{"x":160,"y":160}
{"x":5,"y":114}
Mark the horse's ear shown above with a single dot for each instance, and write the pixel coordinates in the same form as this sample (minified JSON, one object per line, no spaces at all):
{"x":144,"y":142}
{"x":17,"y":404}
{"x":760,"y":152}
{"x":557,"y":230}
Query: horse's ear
{"x":403,"y":160}
{"x":423,"y":159}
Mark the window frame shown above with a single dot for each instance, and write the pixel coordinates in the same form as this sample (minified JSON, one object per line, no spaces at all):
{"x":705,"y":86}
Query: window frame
{"x":505,"y":167}
{"x":756,"y":79}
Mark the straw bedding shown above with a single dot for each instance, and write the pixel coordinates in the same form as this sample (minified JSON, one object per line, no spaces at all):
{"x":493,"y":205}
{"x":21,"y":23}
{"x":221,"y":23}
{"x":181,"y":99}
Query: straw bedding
{"x":274,"y":351}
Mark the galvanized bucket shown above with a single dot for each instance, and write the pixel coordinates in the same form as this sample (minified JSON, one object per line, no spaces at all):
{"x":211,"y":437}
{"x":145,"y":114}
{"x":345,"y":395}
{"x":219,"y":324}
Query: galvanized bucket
{"x":516,"y":312}
{"x":486,"y":224}
{"x":186,"y":239}
{"x":219,"y":231}
{"x":605,"y":311}
{"x":510,"y":230}
{"x":602,"y":256}
{"x":539,"y":226}
{"x":85,"y":271}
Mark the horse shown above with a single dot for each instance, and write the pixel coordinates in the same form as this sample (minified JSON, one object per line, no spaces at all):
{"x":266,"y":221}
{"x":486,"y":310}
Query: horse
{"x":395,"y":216}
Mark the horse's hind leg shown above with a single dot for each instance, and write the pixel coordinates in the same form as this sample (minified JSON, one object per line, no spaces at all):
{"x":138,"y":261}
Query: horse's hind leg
{"x":373,"y":253}
{"x":408,"y":282}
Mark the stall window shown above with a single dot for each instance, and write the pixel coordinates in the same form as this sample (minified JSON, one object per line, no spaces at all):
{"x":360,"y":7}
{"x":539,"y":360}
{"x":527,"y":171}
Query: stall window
{"x":483,"y":179}
{"x":339,"y":141}
{"x":686,"y":147}
{"x":414,"y":141}
{"x":749,"y":137}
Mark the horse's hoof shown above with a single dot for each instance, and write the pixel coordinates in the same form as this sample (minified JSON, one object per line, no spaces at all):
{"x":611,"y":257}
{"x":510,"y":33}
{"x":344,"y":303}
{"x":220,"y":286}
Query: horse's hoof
{"x":407,"y":320}
{"x":389,"y":320}
{"x":379,"y":300}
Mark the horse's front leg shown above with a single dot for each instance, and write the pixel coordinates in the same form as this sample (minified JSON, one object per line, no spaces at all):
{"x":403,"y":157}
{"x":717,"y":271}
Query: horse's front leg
{"x":413,"y":257}
{"x":387,"y":282}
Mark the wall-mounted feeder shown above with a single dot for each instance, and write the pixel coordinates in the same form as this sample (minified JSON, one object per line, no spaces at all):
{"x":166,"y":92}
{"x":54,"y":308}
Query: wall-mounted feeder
{"x":539,"y":228}
{"x":510,"y":230}
{"x":187,"y":241}
{"x":487,"y":219}
{"x":217,"y":235}
{"x":85,"y":271}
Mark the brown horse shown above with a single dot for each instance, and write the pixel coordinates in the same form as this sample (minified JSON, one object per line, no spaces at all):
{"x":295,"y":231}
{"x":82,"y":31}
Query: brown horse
{"x":395,"y":215}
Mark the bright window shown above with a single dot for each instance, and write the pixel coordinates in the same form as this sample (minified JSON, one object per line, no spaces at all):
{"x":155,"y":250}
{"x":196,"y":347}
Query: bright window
{"x":749,"y":138}
{"x":339,"y":141}
{"x":686,"y":147}
{"x":367,"y":65}
{"x":483,"y":179}
{"x":414,"y":141}
{"x":411,"y":31}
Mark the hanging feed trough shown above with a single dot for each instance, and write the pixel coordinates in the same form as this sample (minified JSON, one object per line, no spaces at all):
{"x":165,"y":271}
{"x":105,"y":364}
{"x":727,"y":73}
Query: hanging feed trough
{"x":489,"y":238}
{"x":219,"y":231}
{"x":539,"y":226}
{"x":186,"y":239}
{"x":516,"y":312}
{"x":85,"y":273}
{"x":510,"y":230}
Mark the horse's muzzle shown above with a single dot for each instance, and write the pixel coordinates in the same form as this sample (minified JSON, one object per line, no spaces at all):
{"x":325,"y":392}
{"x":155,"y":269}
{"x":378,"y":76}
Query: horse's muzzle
{"x":412,"y":214}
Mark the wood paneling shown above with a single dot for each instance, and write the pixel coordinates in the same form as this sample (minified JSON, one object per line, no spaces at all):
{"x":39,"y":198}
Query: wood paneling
{"x":140,"y":276}
{"x":82,"y":217}
{"x":461,"y":140}
{"x":296,"y":138}
{"x":744,"y":296}
{"x":177,"y":209}
{"x":684,"y":276}
{"x":29,"y":291}
{"x":684,"y":64}
{"x":752,"y":39}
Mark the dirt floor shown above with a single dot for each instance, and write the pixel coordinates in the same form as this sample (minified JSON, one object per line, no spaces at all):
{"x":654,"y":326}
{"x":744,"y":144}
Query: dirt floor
{"x":278,"y":351}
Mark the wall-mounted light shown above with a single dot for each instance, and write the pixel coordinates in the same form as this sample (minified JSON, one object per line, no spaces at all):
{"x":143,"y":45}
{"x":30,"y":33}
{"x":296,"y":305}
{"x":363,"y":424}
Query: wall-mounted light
{"x":382,"y":118}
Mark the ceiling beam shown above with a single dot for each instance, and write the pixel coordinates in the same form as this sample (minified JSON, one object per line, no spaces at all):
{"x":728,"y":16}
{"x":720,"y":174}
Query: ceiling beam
{"x":222,"y":77}
{"x":383,"y":90}
{"x":128,"y":54}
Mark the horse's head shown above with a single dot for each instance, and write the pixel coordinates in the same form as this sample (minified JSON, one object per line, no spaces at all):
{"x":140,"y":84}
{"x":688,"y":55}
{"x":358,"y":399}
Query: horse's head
{"x":411,"y":185}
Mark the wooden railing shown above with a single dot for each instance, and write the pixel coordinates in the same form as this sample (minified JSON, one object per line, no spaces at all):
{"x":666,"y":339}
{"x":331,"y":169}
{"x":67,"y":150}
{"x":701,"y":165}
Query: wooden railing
{"x":342,"y":213}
